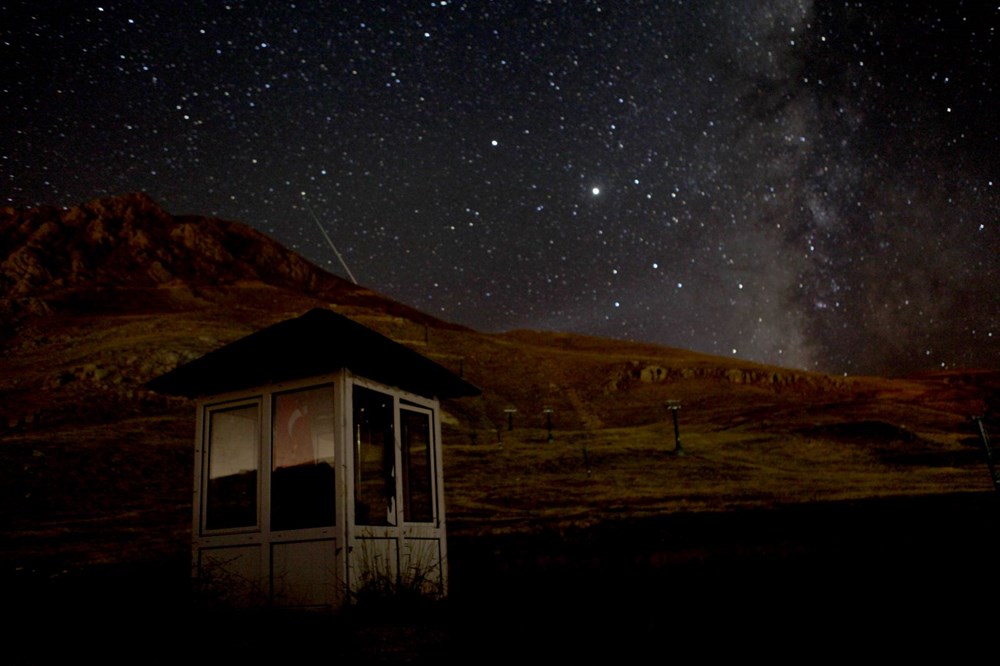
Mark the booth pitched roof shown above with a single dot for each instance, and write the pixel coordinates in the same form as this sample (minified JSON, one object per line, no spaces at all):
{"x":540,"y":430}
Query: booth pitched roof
{"x":316,"y":343}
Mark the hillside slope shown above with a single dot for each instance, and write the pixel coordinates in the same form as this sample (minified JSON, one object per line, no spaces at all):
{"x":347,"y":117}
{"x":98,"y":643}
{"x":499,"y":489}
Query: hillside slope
{"x":97,"y":299}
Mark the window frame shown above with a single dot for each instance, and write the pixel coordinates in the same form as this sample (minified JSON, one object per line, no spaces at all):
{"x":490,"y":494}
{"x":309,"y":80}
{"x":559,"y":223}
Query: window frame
{"x":356,"y":459}
{"x":401,"y":400}
{"x":203,"y":509}
{"x":431,"y":463}
{"x":342,"y":383}
{"x":263,"y":397}
{"x":273,"y":394}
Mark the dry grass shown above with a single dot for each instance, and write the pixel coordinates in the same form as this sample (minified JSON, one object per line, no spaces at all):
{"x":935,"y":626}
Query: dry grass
{"x":525,"y":482}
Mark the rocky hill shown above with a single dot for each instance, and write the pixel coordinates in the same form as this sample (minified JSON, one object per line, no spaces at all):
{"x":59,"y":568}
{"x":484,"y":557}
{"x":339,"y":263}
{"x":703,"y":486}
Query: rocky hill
{"x":69,"y":258}
{"x":103,"y":296}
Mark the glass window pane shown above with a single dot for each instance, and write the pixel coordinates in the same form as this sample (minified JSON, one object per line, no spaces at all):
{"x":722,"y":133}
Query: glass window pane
{"x":418,"y":499}
{"x":374,"y":458}
{"x":233,"y":462}
{"x":303,"y":489}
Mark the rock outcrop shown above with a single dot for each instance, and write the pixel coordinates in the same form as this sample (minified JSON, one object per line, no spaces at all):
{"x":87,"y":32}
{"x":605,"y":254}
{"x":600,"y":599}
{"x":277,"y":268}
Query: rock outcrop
{"x":130,"y":240}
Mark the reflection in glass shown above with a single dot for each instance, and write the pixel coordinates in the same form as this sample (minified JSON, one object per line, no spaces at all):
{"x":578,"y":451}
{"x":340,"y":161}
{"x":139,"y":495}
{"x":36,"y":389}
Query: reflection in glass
{"x":374,"y":458}
{"x":418,"y":503}
{"x":233,"y":462}
{"x":303,"y":490}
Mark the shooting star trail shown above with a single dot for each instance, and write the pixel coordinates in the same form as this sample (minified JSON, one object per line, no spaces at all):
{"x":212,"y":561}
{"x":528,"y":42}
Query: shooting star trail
{"x":329,"y":240}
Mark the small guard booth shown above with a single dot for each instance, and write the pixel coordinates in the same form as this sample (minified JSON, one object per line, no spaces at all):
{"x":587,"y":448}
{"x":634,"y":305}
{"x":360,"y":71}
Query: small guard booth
{"x":318,"y":471}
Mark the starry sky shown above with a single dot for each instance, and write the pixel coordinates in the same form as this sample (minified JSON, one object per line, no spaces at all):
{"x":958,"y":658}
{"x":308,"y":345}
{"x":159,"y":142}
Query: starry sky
{"x":803,"y":183}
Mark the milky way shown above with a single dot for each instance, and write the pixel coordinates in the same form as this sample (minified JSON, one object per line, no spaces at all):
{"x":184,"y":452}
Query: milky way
{"x":806,"y":184}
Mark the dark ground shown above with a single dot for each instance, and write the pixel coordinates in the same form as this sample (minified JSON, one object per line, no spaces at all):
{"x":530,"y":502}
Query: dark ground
{"x":877,"y":578}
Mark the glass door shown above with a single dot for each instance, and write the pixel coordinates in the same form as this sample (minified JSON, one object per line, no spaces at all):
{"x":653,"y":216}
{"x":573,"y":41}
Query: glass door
{"x":397,"y":532}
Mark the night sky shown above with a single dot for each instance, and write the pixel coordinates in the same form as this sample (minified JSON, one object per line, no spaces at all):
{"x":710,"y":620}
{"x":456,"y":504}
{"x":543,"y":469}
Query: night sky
{"x":807,"y":184}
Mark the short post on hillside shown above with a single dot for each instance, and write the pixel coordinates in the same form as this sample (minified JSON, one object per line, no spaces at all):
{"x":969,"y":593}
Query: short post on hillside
{"x":674,"y":406}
